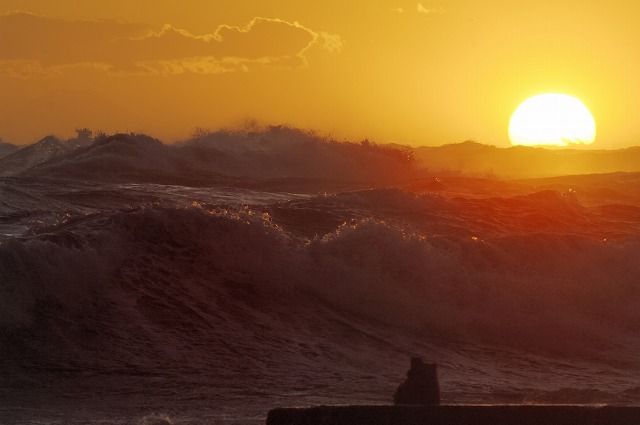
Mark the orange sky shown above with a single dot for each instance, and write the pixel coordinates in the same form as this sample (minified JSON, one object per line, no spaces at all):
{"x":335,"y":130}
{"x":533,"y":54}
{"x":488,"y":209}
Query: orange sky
{"x":419,"y":73}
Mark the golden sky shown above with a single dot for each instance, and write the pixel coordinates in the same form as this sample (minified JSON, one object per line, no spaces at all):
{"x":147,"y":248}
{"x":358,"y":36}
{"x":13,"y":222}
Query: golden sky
{"x":412,"y":72}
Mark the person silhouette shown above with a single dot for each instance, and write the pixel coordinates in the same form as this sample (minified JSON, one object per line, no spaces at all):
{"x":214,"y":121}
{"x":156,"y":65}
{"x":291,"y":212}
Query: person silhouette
{"x":421,"y":386}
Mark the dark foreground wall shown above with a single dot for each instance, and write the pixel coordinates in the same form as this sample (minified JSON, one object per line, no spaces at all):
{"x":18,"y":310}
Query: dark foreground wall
{"x":458,"y":415}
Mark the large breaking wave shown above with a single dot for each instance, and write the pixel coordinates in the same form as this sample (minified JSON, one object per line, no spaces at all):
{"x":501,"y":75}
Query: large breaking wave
{"x":538,"y":291}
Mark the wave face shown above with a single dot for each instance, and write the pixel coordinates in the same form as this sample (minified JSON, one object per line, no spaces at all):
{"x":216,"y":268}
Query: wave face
{"x":223,"y":302}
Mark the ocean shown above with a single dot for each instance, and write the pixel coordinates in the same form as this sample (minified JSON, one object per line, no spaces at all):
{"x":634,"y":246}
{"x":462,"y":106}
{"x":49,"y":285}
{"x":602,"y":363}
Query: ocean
{"x":210,"y":281}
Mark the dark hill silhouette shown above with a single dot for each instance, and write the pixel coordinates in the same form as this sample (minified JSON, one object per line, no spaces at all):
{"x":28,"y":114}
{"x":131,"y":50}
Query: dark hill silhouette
{"x":479,"y":160}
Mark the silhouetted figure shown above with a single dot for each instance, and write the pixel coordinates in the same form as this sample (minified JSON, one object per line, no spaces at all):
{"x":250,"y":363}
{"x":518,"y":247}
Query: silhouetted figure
{"x":421,"y":386}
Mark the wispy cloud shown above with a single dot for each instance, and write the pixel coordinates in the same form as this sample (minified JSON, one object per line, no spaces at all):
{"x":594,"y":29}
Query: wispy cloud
{"x":46,"y":46}
{"x":430,"y":10}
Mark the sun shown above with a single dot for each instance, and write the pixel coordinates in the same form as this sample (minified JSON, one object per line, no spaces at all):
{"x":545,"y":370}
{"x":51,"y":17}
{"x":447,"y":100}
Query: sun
{"x":552,"y":119}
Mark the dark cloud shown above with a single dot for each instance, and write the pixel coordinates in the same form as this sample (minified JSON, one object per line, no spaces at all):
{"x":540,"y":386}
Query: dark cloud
{"x":34,"y":45}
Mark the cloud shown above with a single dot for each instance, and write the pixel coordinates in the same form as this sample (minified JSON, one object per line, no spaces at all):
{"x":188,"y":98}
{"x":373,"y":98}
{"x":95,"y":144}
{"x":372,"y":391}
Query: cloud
{"x":331,"y":42}
{"x":430,"y":10}
{"x":25,"y":69}
{"x":42,"y":45}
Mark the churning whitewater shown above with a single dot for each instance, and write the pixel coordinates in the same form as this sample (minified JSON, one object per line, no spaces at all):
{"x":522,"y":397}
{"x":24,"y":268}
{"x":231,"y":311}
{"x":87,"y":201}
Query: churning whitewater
{"x":212,"y":280}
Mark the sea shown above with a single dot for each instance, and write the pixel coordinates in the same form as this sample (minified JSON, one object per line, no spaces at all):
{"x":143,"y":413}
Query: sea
{"x":211,"y":280}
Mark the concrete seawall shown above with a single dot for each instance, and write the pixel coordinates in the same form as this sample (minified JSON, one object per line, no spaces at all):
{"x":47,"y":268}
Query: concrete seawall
{"x":458,"y":415}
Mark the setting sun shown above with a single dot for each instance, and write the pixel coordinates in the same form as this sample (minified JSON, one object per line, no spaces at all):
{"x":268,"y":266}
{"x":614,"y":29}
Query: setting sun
{"x":552,"y":119}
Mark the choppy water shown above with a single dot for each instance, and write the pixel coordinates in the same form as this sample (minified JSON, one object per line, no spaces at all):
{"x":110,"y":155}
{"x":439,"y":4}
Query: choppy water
{"x":123,"y":296}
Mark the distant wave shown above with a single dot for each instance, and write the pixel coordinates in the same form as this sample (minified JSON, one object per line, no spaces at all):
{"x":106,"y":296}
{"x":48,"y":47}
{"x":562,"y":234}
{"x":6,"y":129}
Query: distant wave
{"x":277,"y":152}
{"x":7,"y":149}
{"x":274,"y":152}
